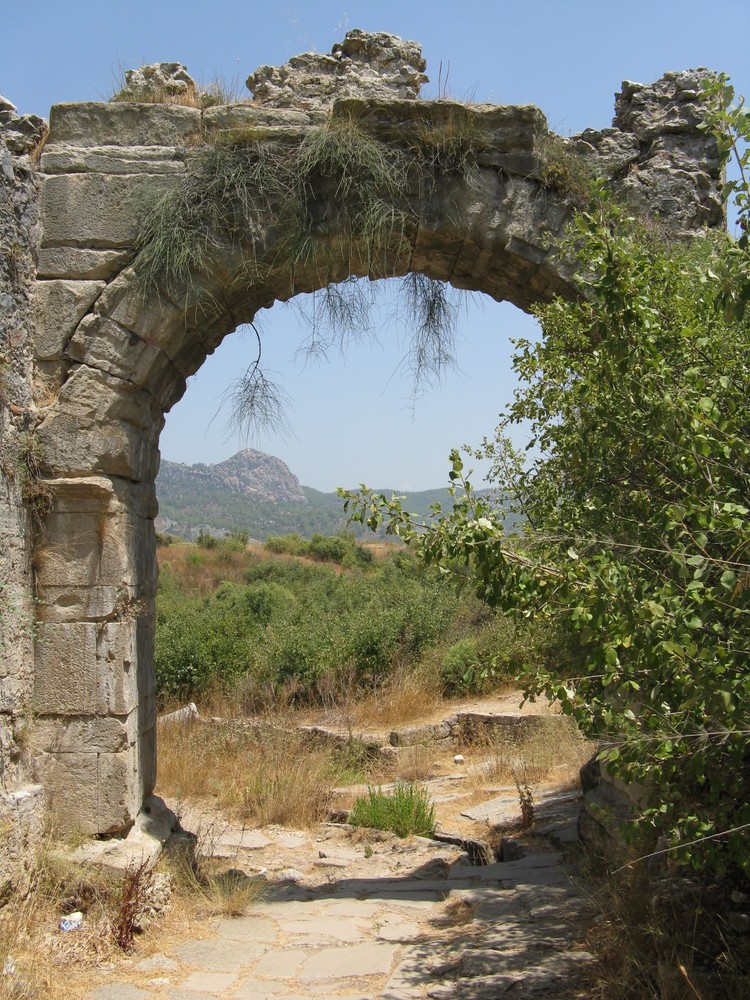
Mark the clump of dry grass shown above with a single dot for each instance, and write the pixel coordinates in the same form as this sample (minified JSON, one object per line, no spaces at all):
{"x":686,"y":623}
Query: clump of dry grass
{"x":37,"y":959}
{"x":204,"y":95}
{"x":551,"y":748}
{"x":415,"y":762}
{"x":210,"y":889}
{"x":260,"y":772}
{"x":406,"y":696}
{"x":661,"y":933}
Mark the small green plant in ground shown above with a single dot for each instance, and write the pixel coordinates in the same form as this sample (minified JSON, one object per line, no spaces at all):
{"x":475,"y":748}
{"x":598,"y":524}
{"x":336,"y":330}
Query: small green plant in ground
{"x":406,"y":810}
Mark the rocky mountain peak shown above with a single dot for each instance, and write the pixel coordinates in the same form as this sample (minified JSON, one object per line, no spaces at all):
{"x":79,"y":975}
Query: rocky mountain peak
{"x":248,"y":473}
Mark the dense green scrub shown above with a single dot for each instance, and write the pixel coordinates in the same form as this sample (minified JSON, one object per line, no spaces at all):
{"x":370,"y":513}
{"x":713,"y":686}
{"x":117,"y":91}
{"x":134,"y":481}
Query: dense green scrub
{"x":293,"y":631}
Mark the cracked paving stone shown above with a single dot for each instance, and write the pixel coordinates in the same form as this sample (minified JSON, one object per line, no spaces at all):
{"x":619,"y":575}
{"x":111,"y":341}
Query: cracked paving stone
{"x":210,"y":982}
{"x":221,"y":955}
{"x":370,"y":959}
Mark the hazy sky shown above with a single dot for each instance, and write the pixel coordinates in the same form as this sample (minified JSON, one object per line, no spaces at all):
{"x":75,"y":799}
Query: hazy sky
{"x":355,"y":419}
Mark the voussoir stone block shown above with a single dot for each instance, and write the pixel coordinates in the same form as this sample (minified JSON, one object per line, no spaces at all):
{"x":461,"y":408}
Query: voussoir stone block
{"x":95,"y":124}
{"x":60,"y":306}
{"x":98,"y":211}
{"x":101,"y":343}
{"x":102,"y":424}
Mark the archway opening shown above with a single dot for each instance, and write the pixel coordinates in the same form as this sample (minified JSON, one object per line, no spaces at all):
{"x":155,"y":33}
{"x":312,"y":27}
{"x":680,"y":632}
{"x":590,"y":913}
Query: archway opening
{"x":355,"y":413}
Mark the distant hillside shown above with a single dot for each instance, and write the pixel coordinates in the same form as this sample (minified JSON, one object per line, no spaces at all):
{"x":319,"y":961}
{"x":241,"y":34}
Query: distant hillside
{"x":256,"y":493}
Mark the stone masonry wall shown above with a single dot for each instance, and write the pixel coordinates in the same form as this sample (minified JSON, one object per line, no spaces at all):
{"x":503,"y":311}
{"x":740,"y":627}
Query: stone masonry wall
{"x":20,"y":799}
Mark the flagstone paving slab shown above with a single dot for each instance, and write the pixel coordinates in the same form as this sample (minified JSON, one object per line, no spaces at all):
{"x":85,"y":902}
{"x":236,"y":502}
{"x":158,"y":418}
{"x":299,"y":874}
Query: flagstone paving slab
{"x":370,"y":959}
{"x":220,"y":955}
{"x":210,"y":982}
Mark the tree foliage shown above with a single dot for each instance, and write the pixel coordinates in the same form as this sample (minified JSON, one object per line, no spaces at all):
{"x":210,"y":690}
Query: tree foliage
{"x":636,"y":488}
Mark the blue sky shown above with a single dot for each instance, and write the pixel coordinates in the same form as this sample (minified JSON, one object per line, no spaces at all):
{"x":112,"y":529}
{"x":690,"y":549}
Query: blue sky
{"x":355,"y":419}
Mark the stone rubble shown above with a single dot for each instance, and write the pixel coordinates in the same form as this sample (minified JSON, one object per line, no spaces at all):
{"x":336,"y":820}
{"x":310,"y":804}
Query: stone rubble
{"x":663,"y":163}
{"x":158,"y":82}
{"x":364,"y":65}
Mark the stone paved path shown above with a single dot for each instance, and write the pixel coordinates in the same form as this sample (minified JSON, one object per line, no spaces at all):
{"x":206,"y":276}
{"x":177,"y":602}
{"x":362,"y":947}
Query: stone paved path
{"x":442,"y":930}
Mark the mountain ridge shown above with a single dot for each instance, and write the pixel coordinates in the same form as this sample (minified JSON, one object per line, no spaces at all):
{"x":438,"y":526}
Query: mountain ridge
{"x":258,"y":493}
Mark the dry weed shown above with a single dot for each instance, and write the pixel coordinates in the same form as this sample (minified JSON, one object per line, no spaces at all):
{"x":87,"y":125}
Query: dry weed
{"x":210,"y":889}
{"x":260,"y":772}
{"x":456,"y":913}
{"x":552,"y":748}
{"x":408,"y":695}
{"x":37,"y":959}
{"x":415,"y":763}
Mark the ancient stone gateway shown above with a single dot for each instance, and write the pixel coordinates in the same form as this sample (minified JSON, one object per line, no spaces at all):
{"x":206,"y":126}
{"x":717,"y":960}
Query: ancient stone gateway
{"x":107,"y":351}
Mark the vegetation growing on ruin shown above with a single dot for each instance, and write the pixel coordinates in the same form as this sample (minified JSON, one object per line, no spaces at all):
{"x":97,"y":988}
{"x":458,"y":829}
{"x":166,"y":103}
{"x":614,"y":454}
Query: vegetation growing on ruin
{"x":343,"y":199}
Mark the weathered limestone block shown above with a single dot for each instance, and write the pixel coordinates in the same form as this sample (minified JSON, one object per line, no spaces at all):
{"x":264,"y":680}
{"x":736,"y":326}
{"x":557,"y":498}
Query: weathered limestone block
{"x":100,"y":211}
{"x":96,"y":124}
{"x":79,"y":265}
{"x":93,"y":603}
{"x":372,"y":65}
{"x":21,"y":825}
{"x":86,"y":668}
{"x":113,"y":160}
{"x":90,"y":537}
{"x":85,"y":733}
{"x":153,"y":826}
{"x":102,"y":424}
{"x":501,"y":128}
{"x":105,"y":789}
{"x":60,"y":306}
{"x":103,"y":344}
{"x":260,"y":122}
{"x":146,"y":312}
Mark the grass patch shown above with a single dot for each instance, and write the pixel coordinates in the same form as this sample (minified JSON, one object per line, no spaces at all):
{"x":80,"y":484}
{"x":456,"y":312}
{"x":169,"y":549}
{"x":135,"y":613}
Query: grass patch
{"x":259,"y":773}
{"x":405,"y":811}
{"x":552,"y":748}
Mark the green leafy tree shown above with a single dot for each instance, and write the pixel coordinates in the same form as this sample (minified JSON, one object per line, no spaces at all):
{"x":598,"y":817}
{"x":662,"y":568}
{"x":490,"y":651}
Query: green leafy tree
{"x":637,"y":495}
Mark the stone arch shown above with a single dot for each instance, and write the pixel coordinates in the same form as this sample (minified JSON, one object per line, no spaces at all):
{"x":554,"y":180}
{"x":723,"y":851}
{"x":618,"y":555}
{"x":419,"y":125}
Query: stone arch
{"x":114,"y":356}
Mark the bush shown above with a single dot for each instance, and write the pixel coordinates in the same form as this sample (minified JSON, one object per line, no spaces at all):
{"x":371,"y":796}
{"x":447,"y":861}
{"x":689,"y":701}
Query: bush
{"x":295,"y":630}
{"x":206,"y":540}
{"x":462,"y":671}
{"x":406,"y":810}
{"x":290,"y":545}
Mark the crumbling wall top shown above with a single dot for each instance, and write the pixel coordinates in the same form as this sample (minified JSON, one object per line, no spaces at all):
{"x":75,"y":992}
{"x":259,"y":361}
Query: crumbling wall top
{"x":363,"y":65}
